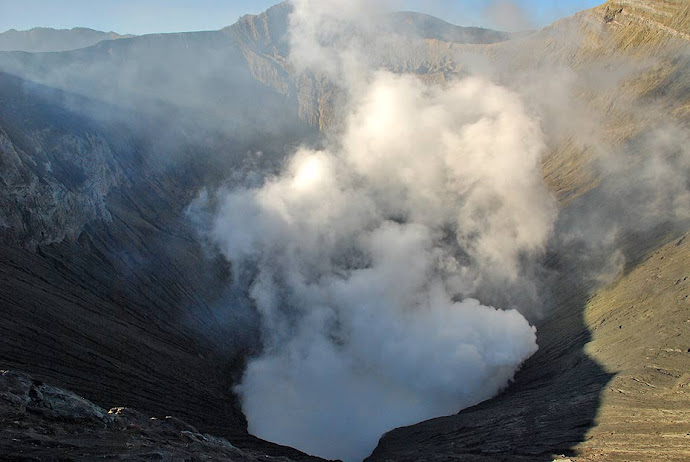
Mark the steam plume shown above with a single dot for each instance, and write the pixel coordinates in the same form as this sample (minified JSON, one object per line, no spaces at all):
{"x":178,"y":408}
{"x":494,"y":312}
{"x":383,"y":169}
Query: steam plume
{"x":363,"y":256}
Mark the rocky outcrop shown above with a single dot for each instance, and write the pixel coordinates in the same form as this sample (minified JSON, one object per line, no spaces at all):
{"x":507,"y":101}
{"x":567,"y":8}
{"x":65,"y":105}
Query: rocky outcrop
{"x":265,"y":47}
{"x":54,"y":180}
{"x":651,"y":15}
{"x":20,"y":394}
{"x":42,"y":422}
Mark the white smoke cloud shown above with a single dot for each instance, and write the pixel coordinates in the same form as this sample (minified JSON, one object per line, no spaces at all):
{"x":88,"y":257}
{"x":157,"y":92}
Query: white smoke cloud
{"x":364,"y":257}
{"x":330,"y":36}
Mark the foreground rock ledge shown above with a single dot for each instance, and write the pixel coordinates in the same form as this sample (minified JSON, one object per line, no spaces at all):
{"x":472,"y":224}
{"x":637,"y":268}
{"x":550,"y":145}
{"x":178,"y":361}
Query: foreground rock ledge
{"x":41,"y":422}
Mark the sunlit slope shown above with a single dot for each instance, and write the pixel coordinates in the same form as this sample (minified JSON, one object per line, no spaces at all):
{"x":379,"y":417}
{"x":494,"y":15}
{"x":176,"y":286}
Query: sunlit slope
{"x":632,"y":70}
{"x":610,"y":381}
{"x":640,"y":328}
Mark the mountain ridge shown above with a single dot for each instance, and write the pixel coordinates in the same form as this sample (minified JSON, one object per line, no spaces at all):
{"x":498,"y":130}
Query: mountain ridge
{"x":48,"y":39}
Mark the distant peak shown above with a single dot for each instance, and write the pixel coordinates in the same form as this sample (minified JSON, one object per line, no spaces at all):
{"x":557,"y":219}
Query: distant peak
{"x":46,"y":39}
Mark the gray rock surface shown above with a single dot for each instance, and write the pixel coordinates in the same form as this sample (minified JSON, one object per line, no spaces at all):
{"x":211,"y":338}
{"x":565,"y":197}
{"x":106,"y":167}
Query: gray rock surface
{"x":54,"y":184}
{"x":41,"y":422}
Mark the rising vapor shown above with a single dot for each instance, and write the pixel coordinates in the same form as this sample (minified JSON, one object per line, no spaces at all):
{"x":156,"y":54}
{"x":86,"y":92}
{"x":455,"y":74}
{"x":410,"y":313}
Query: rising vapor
{"x":363,"y":259}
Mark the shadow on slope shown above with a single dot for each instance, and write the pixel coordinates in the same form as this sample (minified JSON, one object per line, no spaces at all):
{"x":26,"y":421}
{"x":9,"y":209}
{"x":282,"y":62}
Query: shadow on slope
{"x":105,"y":288}
{"x":548,"y":409}
{"x":556,"y":399}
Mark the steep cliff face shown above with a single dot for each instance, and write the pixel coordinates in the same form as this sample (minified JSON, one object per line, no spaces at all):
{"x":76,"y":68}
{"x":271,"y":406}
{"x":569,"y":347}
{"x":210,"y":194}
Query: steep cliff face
{"x":55,"y":179}
{"x":92,"y":226}
{"x":631,"y":63}
{"x":264,"y":42}
{"x":105,"y":286}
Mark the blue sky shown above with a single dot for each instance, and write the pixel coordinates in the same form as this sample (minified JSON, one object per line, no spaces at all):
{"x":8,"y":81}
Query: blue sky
{"x":148,"y":16}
